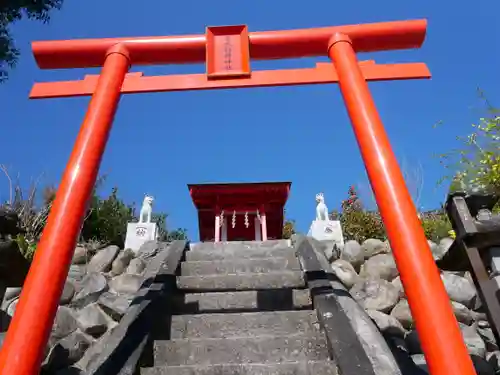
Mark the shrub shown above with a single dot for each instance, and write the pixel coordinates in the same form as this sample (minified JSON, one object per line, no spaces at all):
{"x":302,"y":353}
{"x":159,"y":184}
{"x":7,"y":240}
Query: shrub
{"x":105,"y":221}
{"x":357,"y":223}
{"x":436,"y":225}
{"x":477,"y":160}
{"x":288,"y":229}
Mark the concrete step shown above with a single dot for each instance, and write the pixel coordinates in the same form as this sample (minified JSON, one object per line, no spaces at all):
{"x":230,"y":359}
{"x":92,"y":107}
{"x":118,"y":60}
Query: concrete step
{"x":239,"y":253}
{"x":243,"y":281}
{"x":240,"y":245}
{"x":252,"y":300}
{"x":212,"y":267}
{"x":243,"y":324}
{"x":233,"y":350}
{"x":283,"y":368}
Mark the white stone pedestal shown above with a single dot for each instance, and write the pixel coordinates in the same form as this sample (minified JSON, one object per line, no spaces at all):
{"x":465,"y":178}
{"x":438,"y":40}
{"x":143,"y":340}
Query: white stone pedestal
{"x":138,"y":234}
{"x":327,"y":230}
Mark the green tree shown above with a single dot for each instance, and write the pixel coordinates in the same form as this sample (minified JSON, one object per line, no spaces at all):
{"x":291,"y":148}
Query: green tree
{"x":177,"y":234}
{"x":12,"y":11}
{"x":107,"y":219}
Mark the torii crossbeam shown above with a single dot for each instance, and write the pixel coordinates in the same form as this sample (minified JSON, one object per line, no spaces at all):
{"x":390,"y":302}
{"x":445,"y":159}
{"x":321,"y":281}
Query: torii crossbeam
{"x":227,"y":52}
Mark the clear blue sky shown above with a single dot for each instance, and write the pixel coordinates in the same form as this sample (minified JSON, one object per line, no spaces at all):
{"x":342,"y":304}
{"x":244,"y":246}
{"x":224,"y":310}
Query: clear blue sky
{"x":160,"y":142}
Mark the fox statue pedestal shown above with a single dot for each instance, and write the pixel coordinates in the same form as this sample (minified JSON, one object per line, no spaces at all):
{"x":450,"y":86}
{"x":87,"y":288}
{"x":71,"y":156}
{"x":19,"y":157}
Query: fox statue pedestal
{"x":138,"y":234}
{"x":327,"y":231}
{"x":143,"y":231}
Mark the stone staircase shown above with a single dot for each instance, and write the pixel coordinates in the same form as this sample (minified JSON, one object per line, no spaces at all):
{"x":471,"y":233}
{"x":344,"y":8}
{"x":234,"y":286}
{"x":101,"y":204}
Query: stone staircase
{"x":241,"y":308}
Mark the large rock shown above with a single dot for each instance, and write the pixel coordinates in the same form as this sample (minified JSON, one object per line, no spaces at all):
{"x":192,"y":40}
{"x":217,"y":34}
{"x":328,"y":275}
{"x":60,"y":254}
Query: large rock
{"x":11,"y":307}
{"x":11,"y":293}
{"x":353,"y":253}
{"x":488,"y":338}
{"x":459,"y":288}
{"x":77,"y":273}
{"x":462,"y":313}
{"x":121,"y":262}
{"x":81,"y":255}
{"x":473,"y":341}
{"x":67,"y":293}
{"x":102,"y":260}
{"x":92,"y":320}
{"x":375,"y":294}
{"x":64,"y":323}
{"x":380,"y":266}
{"x":345,"y":272}
{"x":399,"y":286}
{"x":386,"y":323}
{"x":114,"y":305}
{"x":126,"y":283}
{"x":444,"y":245}
{"x":148,"y":250}
{"x":136,"y":267}
{"x":434,"y":250}
{"x":403,"y":314}
{"x":67,"y":351}
{"x":92,"y":286}
{"x":373,"y":246}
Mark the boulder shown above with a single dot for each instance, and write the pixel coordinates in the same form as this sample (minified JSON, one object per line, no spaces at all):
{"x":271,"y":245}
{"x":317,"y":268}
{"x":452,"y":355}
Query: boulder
{"x":102,"y":260}
{"x":473,"y":341}
{"x":67,"y":351}
{"x":121,"y":262}
{"x":136,"y":267}
{"x":67,"y":293}
{"x":114,"y":305}
{"x":380,"y":266}
{"x":459,"y":288}
{"x":462,"y":313}
{"x":375,"y":294}
{"x":372,"y":246}
{"x":126,"y":283}
{"x":81,"y":255}
{"x":345,"y":272}
{"x":92,"y":320}
{"x":353,"y":253}
{"x":386,"y":323}
{"x":64,"y":323}
{"x":402,"y":313}
{"x":92,"y":286}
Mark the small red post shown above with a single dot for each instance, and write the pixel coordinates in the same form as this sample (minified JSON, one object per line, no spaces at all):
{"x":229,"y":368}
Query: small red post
{"x":440,"y":336}
{"x":25,"y":342}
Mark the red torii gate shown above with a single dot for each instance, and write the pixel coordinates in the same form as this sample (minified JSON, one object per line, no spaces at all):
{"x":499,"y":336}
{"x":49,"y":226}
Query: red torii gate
{"x":227,"y":52}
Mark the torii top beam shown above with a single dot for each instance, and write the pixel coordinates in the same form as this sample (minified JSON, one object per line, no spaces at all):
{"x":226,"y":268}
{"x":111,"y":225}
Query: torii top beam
{"x":266,"y":45}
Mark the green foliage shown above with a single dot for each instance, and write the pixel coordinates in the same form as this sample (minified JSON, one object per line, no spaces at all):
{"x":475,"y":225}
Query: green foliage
{"x":288,"y":229}
{"x":12,"y":11}
{"x":26,"y":247}
{"x":357,"y":223}
{"x":163,"y":233}
{"x":107,"y":219}
{"x":178,"y":234}
{"x":436,"y":225}
{"x":476,"y":162}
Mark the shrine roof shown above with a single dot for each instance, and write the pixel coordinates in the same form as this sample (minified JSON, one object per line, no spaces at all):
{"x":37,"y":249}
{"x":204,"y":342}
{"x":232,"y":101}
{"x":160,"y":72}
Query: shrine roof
{"x":239,"y":191}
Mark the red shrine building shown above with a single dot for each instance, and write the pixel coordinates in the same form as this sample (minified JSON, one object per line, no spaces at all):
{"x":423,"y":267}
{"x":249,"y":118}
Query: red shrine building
{"x":240,"y":211}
